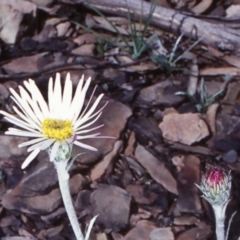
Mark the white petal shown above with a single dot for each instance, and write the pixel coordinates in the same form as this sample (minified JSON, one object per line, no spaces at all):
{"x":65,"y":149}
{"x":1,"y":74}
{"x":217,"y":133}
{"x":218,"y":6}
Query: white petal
{"x":54,"y":150}
{"x":23,"y":103}
{"x":67,"y":94}
{"x":78,"y":98}
{"x":32,"y":106}
{"x":89,"y":123}
{"x":87,"y":136}
{"x":30,"y":158}
{"x":87,"y":117}
{"x":38,"y":96}
{"x":31,"y":142}
{"x":80,"y":144}
{"x":41,"y":145}
{"x":57,"y":97}
{"x":50,"y":97}
{"x":26,"y":119}
{"x":88,"y":130}
{"x":21,"y":130}
{"x":47,"y":143}
{"x":81,"y":99}
{"x":17,"y":121}
{"x":23,"y":134}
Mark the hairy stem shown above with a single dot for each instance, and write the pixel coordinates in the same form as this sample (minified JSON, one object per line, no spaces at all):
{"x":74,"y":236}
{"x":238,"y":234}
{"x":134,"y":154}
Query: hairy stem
{"x":63,"y":178}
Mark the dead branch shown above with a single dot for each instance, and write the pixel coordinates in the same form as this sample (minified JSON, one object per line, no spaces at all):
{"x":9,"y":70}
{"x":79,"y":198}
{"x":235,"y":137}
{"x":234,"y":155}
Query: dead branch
{"x":216,"y":35}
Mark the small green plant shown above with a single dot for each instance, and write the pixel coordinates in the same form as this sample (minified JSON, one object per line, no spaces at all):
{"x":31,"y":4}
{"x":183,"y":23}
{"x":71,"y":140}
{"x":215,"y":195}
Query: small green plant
{"x":202,"y":98}
{"x":169,"y":61}
{"x":139,"y":43}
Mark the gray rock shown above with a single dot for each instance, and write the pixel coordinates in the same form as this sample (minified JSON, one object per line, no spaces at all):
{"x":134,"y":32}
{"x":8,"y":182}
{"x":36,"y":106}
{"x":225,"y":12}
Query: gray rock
{"x":12,"y":13}
{"x":113,"y":206}
{"x":231,"y":156}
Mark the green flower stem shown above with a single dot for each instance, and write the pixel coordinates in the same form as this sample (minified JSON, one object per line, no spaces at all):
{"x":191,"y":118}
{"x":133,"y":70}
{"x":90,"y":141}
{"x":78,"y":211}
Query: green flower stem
{"x":63,"y":179}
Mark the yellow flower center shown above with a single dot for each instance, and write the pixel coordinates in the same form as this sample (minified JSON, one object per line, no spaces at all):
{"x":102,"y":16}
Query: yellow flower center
{"x":57,"y":129}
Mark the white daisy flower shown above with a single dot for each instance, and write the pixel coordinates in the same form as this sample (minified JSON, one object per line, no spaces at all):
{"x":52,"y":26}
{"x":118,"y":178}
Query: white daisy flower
{"x":64,"y":120}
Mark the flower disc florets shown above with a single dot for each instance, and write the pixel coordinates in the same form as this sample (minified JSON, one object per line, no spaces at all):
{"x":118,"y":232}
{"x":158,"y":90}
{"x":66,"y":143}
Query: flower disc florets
{"x":57,"y":129}
{"x":216,"y":185}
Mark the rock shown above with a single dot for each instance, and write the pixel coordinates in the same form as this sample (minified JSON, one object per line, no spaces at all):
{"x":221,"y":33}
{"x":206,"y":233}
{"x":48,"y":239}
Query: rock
{"x":12,"y":15}
{"x":156,"y":169}
{"x":113,"y":206}
{"x":42,"y":3}
{"x":35,"y":196}
{"x":100,"y":168}
{"x":18,"y":238}
{"x":25,"y":64}
{"x":188,"y":194}
{"x":185,"y":220}
{"x":9,"y":147}
{"x":141,"y":231}
{"x":62,"y":29}
{"x":185,"y":128}
{"x":231,"y":156}
{"x":146,"y":130}
{"x":141,"y":195}
{"x":114,"y":119}
{"x":162,"y":234}
{"x":201,"y":233}
{"x":160,"y":93}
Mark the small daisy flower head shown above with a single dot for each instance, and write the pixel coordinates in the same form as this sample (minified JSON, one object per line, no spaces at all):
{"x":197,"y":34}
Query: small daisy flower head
{"x":216,"y":185}
{"x":57,"y":124}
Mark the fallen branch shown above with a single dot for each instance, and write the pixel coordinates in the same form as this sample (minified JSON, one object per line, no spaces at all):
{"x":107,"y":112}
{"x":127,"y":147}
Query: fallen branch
{"x":216,"y":35}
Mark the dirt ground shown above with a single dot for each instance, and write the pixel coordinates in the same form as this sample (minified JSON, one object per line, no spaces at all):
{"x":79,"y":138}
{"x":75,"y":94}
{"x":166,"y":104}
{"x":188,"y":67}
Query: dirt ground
{"x":170,"y":73}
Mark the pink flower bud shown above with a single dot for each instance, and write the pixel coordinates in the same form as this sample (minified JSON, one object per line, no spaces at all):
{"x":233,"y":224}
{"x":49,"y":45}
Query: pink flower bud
{"x":216,"y":185}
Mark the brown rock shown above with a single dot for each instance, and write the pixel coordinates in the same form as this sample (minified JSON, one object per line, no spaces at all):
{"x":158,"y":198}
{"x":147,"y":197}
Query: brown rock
{"x":188,"y":195}
{"x":114,"y":118}
{"x":185,"y":128}
{"x":141,"y":231}
{"x":100,"y":168}
{"x":160,"y":93}
{"x":35,"y":196}
{"x":112,"y":204}
{"x":196,"y":233}
{"x":141,"y":195}
{"x":156,"y":169}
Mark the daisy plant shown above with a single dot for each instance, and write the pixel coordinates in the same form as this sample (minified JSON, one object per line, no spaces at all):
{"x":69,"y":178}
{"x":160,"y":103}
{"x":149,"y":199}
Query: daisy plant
{"x":55,"y":127}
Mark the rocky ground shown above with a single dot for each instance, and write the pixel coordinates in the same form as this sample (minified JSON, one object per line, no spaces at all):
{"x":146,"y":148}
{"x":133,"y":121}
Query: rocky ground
{"x":142,"y":182}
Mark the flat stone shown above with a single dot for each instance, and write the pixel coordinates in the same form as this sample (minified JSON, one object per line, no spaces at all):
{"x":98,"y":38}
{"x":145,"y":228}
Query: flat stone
{"x":202,"y":233}
{"x":101,"y":167}
{"x":162,"y":234}
{"x":12,"y":13}
{"x":141,"y":195}
{"x":188,"y":194}
{"x":185,"y":128}
{"x":112,"y":204}
{"x":231,"y":156}
{"x":9,"y":147}
{"x":141,"y":231}
{"x":35,"y":196}
{"x":156,"y":169}
{"x":114,"y":118}
{"x":160,"y":93}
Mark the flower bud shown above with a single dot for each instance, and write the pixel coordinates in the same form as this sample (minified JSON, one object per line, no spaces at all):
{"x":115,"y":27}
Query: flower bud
{"x":216,"y":185}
